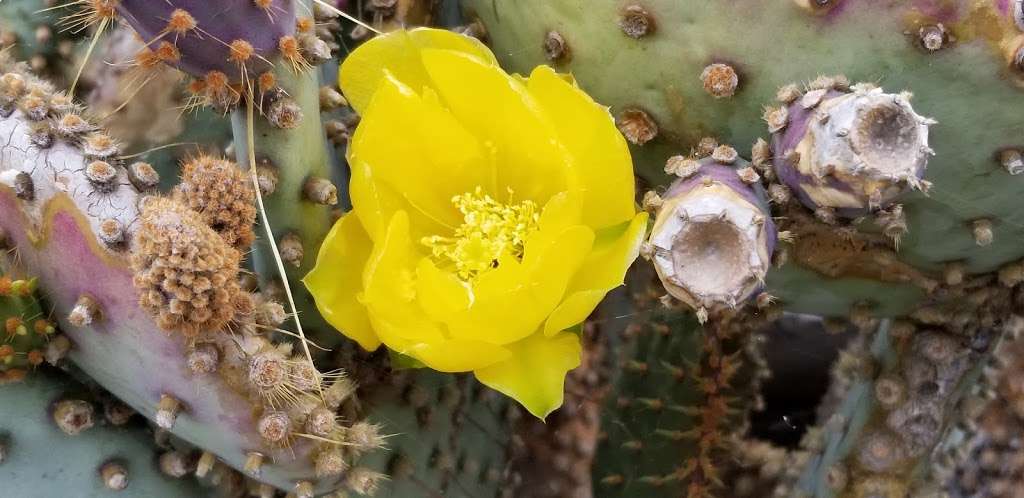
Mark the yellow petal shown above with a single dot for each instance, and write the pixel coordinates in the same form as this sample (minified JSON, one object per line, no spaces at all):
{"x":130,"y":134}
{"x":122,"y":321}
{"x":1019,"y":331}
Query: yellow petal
{"x":440,"y":293}
{"x":459,"y":355}
{"x":614,"y":251}
{"x":562,"y":211}
{"x":552,"y":270}
{"x":604,"y":269}
{"x":400,"y":333}
{"x":513,"y":300}
{"x":500,"y":111}
{"x":417,"y":147}
{"x":573,"y":310}
{"x":588,"y":131}
{"x":336,"y":280}
{"x":375,"y":203}
{"x":399,"y":53}
{"x":389,"y":285}
{"x":535,"y":374}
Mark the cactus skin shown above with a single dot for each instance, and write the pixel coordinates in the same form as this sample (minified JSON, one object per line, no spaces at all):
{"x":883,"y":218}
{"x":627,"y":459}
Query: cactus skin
{"x":450,"y":433}
{"x":40,"y":460}
{"x":677,"y":395}
{"x":965,"y":86}
{"x":295,"y":155}
{"x":68,"y":216}
{"x":224,"y":21}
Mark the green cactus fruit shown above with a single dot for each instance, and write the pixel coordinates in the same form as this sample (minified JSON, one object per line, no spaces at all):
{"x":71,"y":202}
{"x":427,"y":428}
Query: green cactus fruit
{"x":26,"y":328}
{"x":676,"y":72}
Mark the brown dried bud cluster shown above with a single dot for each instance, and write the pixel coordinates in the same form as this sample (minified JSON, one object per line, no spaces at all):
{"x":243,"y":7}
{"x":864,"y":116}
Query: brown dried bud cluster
{"x":186,"y":275}
{"x":219,"y":191}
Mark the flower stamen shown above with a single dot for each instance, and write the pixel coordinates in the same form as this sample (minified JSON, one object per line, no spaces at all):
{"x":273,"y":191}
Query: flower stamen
{"x":489,"y":231}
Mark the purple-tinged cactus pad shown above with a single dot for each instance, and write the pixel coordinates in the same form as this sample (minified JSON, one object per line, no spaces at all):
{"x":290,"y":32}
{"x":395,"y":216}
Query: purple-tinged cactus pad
{"x":218,"y":24}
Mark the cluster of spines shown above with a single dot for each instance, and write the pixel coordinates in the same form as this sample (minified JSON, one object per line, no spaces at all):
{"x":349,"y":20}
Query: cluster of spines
{"x":221,"y":193}
{"x":714,"y":373}
{"x":453,"y":432}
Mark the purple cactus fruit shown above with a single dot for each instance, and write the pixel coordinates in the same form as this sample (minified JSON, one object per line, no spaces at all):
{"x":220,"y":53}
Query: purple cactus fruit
{"x":713,"y":236}
{"x":215,"y":35}
{"x":850,"y":150}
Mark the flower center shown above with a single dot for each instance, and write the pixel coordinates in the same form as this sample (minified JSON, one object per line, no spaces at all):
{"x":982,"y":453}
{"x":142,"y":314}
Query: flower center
{"x":489,"y":231}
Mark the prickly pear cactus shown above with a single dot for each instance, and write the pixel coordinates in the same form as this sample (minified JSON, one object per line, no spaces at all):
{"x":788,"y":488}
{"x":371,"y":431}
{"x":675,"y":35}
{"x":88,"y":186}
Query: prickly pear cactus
{"x":872,"y":173}
{"x":676,"y":72}
{"x":156,"y":285}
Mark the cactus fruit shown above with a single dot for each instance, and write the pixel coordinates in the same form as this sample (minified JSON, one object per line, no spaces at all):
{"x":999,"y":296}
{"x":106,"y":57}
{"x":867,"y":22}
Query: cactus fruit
{"x":849,"y":150}
{"x":54,"y":437}
{"x":713,"y":238}
{"x":675,"y":76}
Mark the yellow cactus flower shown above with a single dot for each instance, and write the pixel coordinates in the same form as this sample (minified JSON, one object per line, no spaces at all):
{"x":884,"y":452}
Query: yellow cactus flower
{"x":491,"y":213}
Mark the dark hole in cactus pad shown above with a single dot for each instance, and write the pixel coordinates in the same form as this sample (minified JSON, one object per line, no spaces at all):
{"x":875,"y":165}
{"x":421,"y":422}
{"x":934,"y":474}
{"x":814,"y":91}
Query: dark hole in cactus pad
{"x":800,"y":355}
